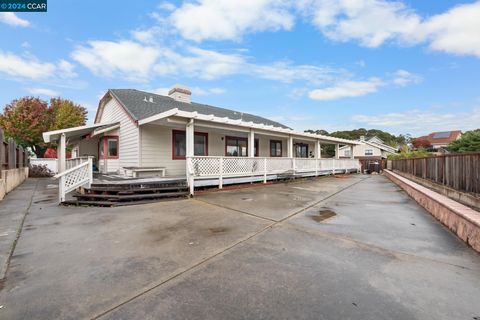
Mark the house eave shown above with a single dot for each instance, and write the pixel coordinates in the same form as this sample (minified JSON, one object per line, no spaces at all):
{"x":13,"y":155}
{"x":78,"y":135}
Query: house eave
{"x":240,"y":123}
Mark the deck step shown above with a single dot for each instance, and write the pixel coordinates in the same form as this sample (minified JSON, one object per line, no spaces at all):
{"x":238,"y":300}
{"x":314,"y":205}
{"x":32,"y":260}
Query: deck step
{"x":134,"y":190}
{"x":122,"y":197}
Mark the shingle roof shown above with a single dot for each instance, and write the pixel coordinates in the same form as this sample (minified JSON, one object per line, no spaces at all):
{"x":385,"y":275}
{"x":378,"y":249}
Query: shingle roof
{"x":134,"y":102}
{"x":443,"y":137}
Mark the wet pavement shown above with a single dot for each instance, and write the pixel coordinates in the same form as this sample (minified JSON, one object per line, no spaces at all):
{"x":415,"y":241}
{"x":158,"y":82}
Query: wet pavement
{"x":330,"y":248}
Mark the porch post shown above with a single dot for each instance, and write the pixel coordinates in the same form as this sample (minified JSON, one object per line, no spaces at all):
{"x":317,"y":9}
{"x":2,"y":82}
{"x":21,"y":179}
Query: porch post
{"x":318,"y":150}
{"x":351,"y":152}
{"x":61,"y":153}
{"x":337,"y":151}
{"x":290,"y":147}
{"x":189,"y":147}
{"x":251,"y":143}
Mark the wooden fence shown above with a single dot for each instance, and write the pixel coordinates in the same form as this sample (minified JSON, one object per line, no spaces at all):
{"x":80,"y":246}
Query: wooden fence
{"x":459,"y":171}
{"x":11,"y":155}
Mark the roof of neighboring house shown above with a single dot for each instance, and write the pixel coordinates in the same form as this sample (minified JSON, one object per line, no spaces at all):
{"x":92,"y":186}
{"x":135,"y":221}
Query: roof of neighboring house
{"x":139,"y":107}
{"x":372,"y":141}
{"x":442,"y":137}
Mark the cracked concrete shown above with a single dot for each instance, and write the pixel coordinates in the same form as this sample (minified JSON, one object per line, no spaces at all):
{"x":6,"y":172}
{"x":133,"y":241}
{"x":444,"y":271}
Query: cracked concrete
{"x":241,"y":254}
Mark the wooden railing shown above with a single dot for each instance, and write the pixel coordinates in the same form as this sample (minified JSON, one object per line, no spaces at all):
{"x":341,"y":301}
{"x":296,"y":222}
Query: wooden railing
{"x":78,"y":176}
{"x":458,"y":171}
{"x":200,"y":167}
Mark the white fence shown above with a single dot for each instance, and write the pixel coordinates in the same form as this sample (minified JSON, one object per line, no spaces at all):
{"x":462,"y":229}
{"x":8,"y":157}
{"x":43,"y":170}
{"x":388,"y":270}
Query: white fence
{"x":75,"y":177}
{"x":51,"y":163}
{"x":225,"y":167}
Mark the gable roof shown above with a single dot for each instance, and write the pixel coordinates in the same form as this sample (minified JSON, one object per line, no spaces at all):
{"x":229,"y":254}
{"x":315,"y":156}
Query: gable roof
{"x":442,"y":137}
{"x":138,"y":106}
{"x":372,"y":142}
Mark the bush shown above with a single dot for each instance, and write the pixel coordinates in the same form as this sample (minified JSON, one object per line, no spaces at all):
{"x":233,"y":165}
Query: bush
{"x":39,"y":171}
{"x":407,"y":154}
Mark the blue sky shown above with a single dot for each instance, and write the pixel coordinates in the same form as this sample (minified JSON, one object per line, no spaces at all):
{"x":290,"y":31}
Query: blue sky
{"x":406,"y":67}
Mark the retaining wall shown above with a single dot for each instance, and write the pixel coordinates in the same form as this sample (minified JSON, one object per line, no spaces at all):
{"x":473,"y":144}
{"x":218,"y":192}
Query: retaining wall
{"x":10,"y":179}
{"x":462,"y":220}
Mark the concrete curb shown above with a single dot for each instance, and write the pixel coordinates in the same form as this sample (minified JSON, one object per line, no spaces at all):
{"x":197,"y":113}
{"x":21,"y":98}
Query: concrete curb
{"x":462,"y":220}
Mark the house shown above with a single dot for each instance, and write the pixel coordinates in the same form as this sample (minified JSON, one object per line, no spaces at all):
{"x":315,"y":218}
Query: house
{"x":438,"y":140}
{"x":368,"y":148}
{"x":141,"y":134}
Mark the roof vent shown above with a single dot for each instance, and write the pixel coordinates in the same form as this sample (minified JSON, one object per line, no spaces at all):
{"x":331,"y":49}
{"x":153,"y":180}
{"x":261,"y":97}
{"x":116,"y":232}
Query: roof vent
{"x":150,"y":99}
{"x":180,"y":93}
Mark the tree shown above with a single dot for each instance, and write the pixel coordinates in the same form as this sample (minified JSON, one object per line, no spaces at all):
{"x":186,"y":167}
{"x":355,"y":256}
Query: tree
{"x":66,"y":114}
{"x":24,"y":120}
{"x":421,"y":142}
{"x":27,"y":118}
{"x":470,"y":141}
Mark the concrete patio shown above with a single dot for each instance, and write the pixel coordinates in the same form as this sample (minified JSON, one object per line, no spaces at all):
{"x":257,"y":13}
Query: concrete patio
{"x":329,"y":248}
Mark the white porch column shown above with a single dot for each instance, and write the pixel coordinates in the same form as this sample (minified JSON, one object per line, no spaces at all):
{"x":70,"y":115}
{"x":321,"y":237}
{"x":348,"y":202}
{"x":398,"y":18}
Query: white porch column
{"x":337,"y":151}
{"x":290,"y":147}
{"x":251,"y":143}
{"x":351,"y":152}
{"x":318,"y":150}
{"x":62,"y":153}
{"x":189,"y":152}
{"x":189,"y":133}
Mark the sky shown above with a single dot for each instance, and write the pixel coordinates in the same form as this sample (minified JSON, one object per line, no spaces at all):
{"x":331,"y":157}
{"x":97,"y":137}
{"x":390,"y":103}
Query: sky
{"x":400,"y":66}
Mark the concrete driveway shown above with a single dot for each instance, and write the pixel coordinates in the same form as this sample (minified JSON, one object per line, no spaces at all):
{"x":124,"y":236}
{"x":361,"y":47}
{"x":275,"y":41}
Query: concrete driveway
{"x":331,"y":248}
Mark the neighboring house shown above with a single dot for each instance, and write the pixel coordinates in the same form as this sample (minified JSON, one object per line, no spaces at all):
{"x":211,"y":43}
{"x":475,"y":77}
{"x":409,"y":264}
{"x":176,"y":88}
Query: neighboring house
{"x":145,"y":134}
{"x":440,"y":140}
{"x":372,"y":148}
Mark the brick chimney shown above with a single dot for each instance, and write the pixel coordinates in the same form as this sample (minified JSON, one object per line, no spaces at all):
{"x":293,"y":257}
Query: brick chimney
{"x":180,"y":93}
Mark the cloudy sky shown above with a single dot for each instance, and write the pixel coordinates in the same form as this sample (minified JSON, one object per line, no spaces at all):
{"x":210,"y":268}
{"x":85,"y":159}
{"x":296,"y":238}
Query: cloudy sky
{"x":407,"y":67}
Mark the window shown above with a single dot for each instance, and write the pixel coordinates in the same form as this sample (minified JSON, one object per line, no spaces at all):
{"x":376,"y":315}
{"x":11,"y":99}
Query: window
{"x":108,"y":147}
{"x":301,"y":150}
{"x":275,"y":148}
{"x":369,"y":152}
{"x":179,"y":144}
{"x":238,"y":147}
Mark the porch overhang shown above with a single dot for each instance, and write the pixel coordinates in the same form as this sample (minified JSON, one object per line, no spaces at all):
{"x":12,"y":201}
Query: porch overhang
{"x":78,"y":132}
{"x":244,"y":124}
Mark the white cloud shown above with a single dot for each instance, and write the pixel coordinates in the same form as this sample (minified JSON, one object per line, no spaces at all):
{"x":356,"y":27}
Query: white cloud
{"x":422,"y":121}
{"x":21,"y":67}
{"x":107,"y":58}
{"x":374,"y":22}
{"x":456,"y":31}
{"x":44,"y":92}
{"x":167,"y":6}
{"x":229,"y":20}
{"x":346,"y":89}
{"x":12,"y":19}
{"x":371,"y":22}
{"x":207,"y":91}
{"x":403,"y":78}
{"x":65,"y":69}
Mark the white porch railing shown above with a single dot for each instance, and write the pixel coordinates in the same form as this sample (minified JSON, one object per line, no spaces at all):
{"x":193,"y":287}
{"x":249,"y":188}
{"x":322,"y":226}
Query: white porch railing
{"x":75,"y":177}
{"x":225,"y":167}
{"x":73,"y":162}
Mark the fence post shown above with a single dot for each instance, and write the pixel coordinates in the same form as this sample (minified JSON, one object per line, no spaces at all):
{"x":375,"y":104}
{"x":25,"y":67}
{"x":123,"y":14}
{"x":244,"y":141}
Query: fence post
{"x":90,"y":172}
{"x":264,"y":170}
{"x":12,"y":148}
{"x":220,"y":179}
{"x":293,"y":165}
{"x":2,"y":150}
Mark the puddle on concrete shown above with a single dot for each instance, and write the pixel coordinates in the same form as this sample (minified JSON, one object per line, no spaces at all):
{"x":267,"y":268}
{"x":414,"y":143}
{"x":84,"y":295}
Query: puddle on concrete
{"x":323,"y":214}
{"x":247,"y":199}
